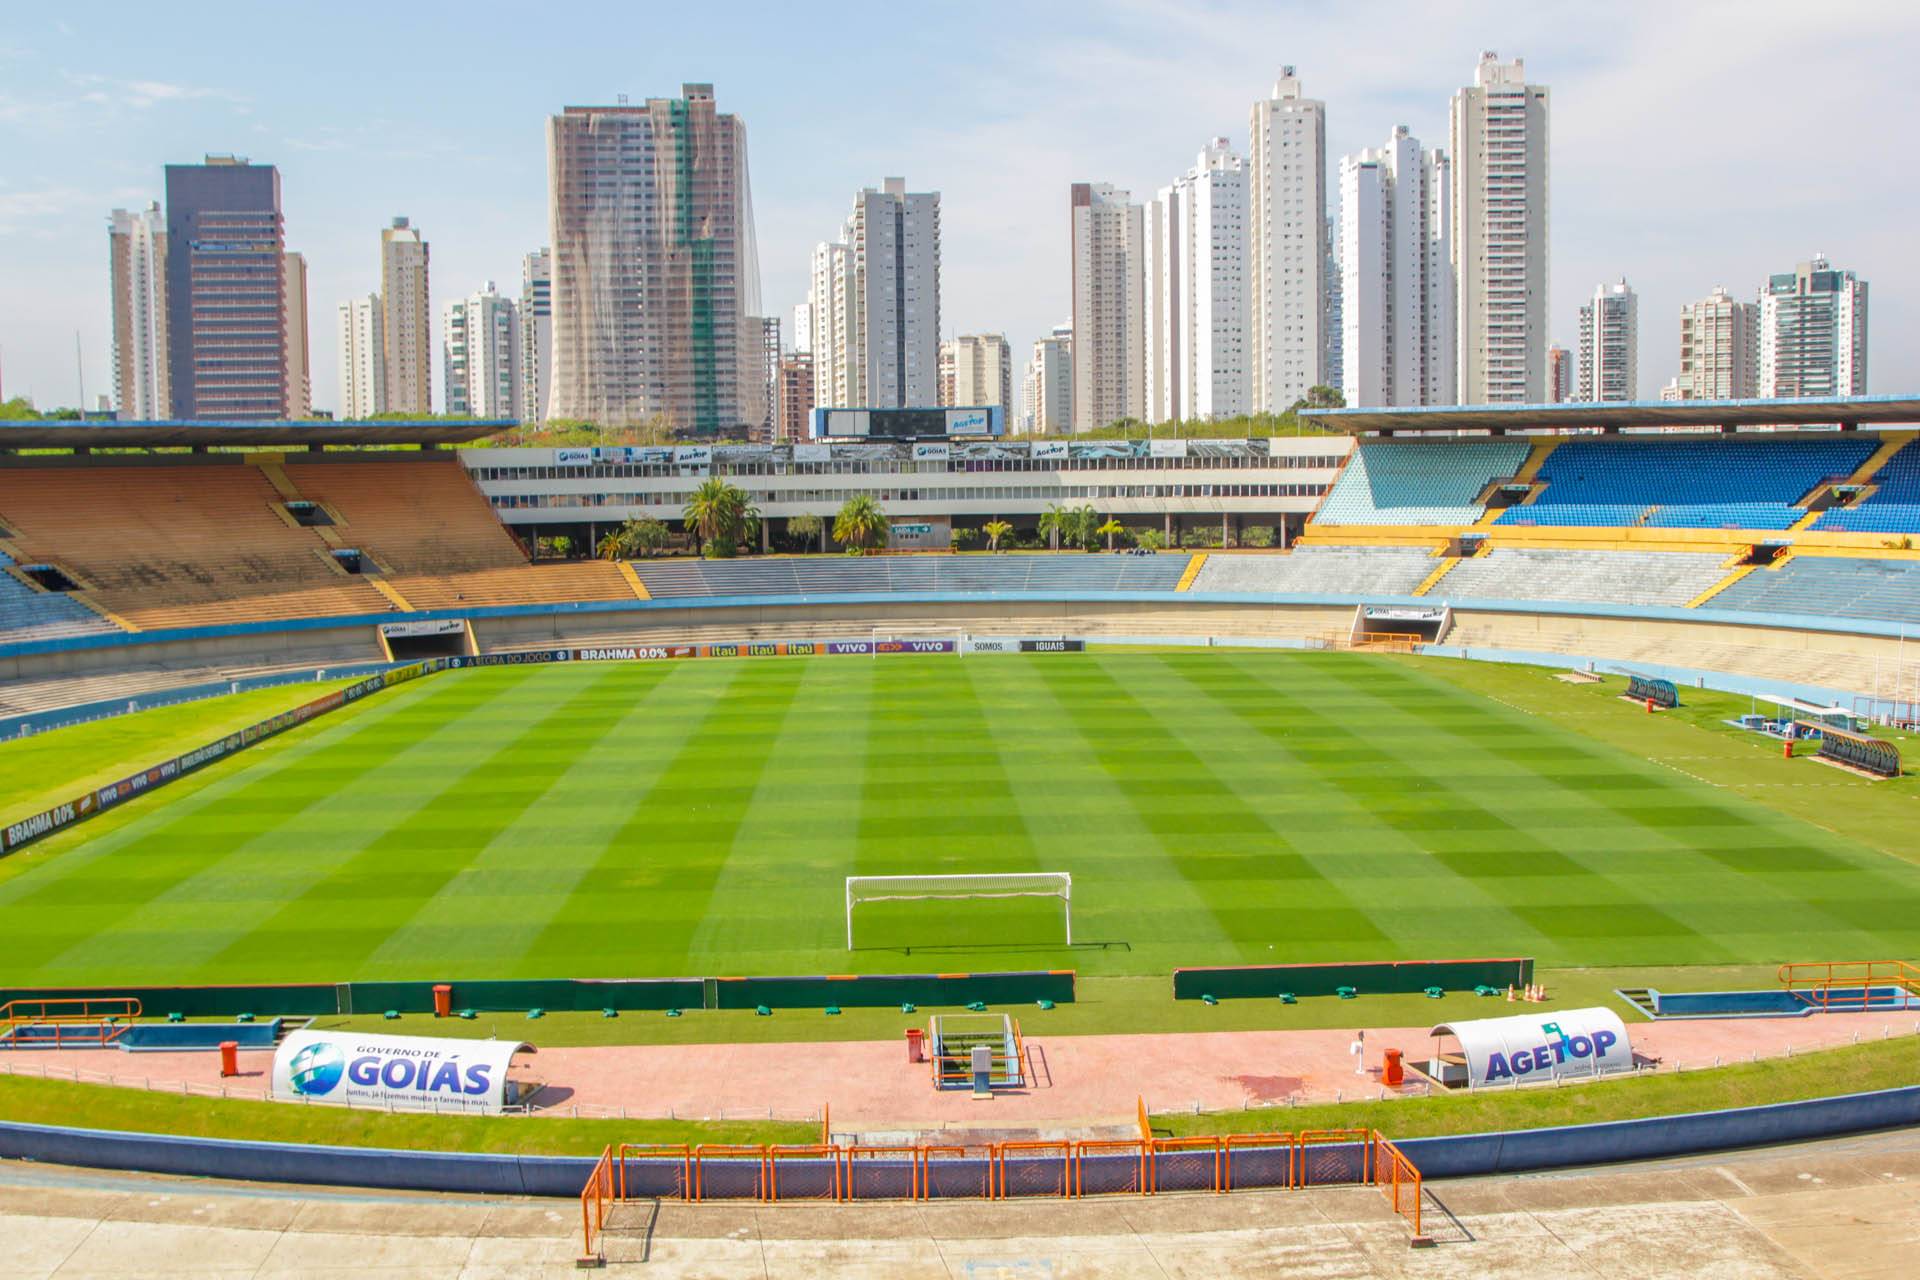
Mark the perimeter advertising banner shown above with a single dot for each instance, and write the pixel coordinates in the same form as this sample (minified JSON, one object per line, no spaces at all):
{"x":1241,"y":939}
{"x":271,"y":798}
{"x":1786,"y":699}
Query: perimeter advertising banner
{"x":79,"y":809}
{"x":1570,"y":1043}
{"x":394,"y":1073}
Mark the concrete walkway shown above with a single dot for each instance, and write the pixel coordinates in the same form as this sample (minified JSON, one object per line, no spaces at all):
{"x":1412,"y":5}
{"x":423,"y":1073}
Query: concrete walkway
{"x":1840,"y":1211}
{"x":1081,"y":1082}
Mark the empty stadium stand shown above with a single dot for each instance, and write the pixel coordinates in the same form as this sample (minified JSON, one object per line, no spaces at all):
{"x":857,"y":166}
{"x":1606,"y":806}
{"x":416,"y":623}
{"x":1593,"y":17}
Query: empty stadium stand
{"x":1894,"y":506}
{"x":1706,"y":482}
{"x":27,"y":613}
{"x":1389,"y":571}
{"x":1830,"y":586}
{"x":855,"y":575}
{"x":176,"y":545}
{"x":1616,"y":577}
{"x":1436,"y":483}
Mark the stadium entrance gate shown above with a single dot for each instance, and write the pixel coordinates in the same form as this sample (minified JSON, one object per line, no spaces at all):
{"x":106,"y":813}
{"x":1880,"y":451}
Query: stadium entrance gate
{"x":1383,"y":626}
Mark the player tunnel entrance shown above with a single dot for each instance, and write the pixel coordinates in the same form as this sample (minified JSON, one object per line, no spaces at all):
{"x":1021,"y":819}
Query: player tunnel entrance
{"x":1399,"y":626}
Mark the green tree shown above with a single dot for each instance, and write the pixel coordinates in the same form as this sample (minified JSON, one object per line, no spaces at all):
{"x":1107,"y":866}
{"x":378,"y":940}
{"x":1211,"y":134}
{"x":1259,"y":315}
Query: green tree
{"x":720,"y":517}
{"x":1111,"y":529}
{"x":1070,"y":527}
{"x":641,"y":537}
{"x":1053,"y":524}
{"x":995,"y":530}
{"x":806,"y":530}
{"x":1151,"y":539}
{"x":963,"y":537}
{"x":18,"y":409}
{"x":861,"y":524}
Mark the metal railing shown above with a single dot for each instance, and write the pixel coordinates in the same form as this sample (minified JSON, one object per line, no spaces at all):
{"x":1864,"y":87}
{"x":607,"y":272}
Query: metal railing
{"x":1849,"y":984}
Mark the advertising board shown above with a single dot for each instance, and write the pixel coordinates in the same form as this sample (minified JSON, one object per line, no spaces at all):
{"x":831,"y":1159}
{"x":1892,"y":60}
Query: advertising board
{"x":394,"y":1073}
{"x":1571,"y":1043}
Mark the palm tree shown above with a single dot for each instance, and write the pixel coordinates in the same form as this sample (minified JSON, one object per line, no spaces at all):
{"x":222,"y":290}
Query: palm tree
{"x":719,"y":516}
{"x":1111,"y":529}
{"x":861,"y":524}
{"x":1053,"y":525}
{"x":995,"y":530}
{"x":807,"y":529}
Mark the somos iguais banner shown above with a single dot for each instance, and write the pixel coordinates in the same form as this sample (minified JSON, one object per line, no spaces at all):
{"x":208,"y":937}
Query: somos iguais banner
{"x":79,"y":809}
{"x":395,"y":1073}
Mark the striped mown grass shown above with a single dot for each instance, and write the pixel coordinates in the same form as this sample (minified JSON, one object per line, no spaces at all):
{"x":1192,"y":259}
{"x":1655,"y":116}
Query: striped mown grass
{"x":1213,"y":807}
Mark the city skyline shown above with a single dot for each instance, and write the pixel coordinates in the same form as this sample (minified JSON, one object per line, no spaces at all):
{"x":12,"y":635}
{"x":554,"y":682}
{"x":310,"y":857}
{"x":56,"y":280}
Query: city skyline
{"x":478,"y":181}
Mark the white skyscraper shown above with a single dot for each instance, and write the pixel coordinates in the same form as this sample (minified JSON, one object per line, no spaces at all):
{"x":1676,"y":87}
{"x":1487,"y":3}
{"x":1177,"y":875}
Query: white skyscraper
{"x":536,"y":335}
{"x":293,"y":299}
{"x":363,"y":363}
{"x":1049,"y":383}
{"x":879,"y":288}
{"x":1397,"y":306}
{"x":1500,"y":191}
{"x":137,"y":245}
{"x":481,"y":353}
{"x":1719,"y":349}
{"x":802,"y":328}
{"x":1287,"y":281}
{"x":1610,"y":345}
{"x":1196,"y":292}
{"x":982,"y":370}
{"x":1813,"y":332}
{"x":1109,"y":280}
{"x":406,"y":320}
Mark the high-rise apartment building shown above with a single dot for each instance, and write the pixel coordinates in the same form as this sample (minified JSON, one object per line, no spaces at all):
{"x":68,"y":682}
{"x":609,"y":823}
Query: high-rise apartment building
{"x":536,"y":334}
{"x":656,"y":275}
{"x":1049,"y":384}
{"x":1610,"y":345}
{"x":1813,"y":332}
{"x":1109,"y":280}
{"x":1719,"y":349}
{"x":1287,"y":232}
{"x":979,"y":371}
{"x":480,"y":346}
{"x":881,"y":293}
{"x":363,"y":360}
{"x":1335,"y":345}
{"x":299,"y":349}
{"x":406,"y":321}
{"x":137,"y":272}
{"x":226,"y":291}
{"x":1397,"y":302}
{"x":802,"y":327}
{"x":770,"y":356}
{"x":1499,"y":150}
{"x":1196,"y":292}
{"x":795,"y":397}
{"x":1559,"y":375}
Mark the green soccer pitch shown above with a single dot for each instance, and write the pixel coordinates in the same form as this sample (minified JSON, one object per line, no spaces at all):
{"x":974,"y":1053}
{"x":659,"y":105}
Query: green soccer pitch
{"x":700,"y":817}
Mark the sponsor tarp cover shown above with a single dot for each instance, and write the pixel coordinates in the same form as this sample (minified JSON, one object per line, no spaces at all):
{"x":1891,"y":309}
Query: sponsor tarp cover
{"x":401,"y":1073}
{"x":1570,"y":1043}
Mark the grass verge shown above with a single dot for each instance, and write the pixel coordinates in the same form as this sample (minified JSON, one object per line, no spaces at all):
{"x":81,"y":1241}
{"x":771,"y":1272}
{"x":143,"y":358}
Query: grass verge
{"x":1880,"y":1064}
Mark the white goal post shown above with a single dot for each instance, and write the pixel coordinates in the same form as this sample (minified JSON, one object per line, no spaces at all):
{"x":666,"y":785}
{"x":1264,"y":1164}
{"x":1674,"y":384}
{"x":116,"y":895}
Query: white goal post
{"x":1011,"y":884}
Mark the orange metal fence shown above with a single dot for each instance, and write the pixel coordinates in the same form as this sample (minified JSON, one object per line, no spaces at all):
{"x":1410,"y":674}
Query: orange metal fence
{"x":70,"y":1009}
{"x":1815,"y":981}
{"x":1000,"y":1171}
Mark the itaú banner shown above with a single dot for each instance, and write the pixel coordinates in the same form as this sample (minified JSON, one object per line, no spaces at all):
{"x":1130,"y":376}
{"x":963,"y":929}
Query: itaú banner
{"x":1567,"y":1043}
{"x":400,"y":1073}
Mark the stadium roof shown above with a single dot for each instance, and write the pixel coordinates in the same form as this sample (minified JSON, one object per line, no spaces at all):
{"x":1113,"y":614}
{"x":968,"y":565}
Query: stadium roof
{"x":49,"y":433}
{"x":1811,"y":411}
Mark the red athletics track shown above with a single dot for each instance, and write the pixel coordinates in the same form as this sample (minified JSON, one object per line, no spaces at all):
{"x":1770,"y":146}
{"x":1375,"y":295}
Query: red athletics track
{"x":1081,"y":1081}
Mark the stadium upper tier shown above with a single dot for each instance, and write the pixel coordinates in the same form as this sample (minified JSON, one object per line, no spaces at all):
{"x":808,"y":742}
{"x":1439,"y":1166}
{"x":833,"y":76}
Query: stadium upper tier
{"x":1893,"y":507}
{"x":1419,"y":484}
{"x":1704,"y":483}
{"x":1830,"y":587}
{"x":828,"y":576}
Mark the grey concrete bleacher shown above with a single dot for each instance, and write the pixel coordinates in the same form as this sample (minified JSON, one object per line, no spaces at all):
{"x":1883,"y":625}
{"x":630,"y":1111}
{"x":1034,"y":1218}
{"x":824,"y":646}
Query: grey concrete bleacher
{"x":1830,"y":586}
{"x":865,"y":575}
{"x":28,"y":614}
{"x":1393,"y":571}
{"x":1608,"y":577}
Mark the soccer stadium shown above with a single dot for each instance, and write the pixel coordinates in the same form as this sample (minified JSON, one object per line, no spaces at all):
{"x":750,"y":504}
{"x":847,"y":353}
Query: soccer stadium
{"x":366,"y":767}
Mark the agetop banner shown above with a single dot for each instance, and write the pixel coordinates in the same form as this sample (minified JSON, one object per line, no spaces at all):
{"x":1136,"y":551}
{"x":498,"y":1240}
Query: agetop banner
{"x":394,"y":1073}
{"x":1571,"y":1043}
{"x":79,"y":809}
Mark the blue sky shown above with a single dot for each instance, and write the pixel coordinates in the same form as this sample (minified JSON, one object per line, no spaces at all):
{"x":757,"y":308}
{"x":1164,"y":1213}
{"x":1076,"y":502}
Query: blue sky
{"x":1695,"y":143}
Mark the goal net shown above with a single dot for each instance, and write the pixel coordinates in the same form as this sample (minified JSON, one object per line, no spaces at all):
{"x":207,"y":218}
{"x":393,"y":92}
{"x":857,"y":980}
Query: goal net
{"x":1012,"y":884}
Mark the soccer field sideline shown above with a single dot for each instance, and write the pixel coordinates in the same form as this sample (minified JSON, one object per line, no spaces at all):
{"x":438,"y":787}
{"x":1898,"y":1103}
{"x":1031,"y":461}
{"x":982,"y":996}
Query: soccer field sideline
{"x":640,"y":819}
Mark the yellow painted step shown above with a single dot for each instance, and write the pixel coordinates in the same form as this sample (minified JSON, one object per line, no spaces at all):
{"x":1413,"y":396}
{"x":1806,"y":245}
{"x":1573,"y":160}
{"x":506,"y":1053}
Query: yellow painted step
{"x":633,"y":580}
{"x":392,"y":593}
{"x":1193,"y":570}
{"x":1890,"y":443}
{"x":1442,"y":570}
{"x":277,"y":477}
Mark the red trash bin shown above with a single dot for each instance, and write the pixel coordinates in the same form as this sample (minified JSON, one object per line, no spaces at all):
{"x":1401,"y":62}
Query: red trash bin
{"x":442,"y":999}
{"x":229,"y":1058}
{"x":915,"y":1039}
{"x":1392,"y":1073}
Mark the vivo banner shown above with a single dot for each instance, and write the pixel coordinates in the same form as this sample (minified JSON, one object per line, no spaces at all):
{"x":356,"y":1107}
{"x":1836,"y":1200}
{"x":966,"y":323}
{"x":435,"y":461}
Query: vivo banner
{"x":395,"y":1073}
{"x":1564,"y":1044}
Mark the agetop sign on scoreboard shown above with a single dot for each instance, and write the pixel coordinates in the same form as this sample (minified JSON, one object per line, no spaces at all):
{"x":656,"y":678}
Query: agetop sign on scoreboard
{"x":395,"y":1073}
{"x":908,"y":424}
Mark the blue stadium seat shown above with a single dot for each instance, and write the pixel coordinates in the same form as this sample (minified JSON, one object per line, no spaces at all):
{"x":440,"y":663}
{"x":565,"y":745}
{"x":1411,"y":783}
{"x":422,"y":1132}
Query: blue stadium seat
{"x":1707,"y":482}
{"x":1895,"y":504}
{"x":27,"y":614}
{"x":858,"y":575}
{"x":1426,"y":483}
{"x":1830,"y":586}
